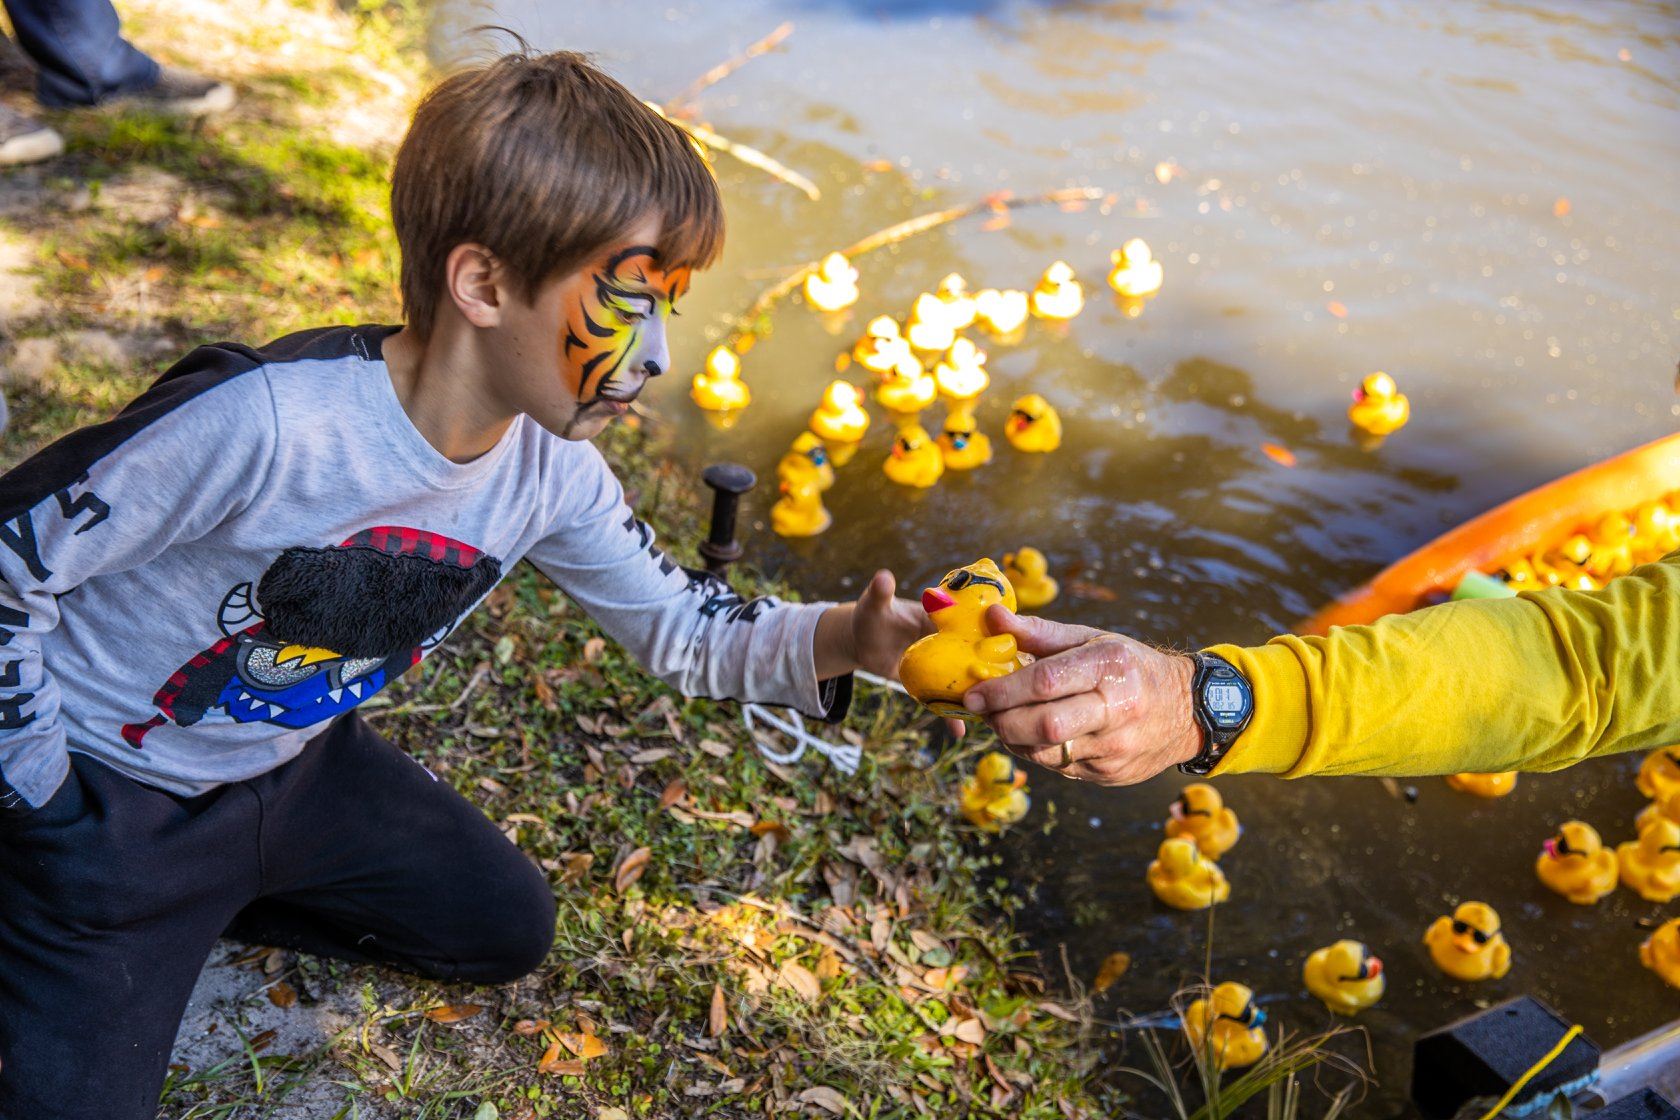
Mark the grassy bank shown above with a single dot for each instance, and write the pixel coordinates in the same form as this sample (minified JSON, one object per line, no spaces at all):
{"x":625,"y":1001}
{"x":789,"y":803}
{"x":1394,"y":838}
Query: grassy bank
{"x":736,"y":938}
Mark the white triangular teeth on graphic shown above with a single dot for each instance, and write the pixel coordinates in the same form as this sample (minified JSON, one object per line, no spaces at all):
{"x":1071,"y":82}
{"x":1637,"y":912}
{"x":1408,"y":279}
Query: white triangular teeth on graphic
{"x":335,"y":694}
{"x":270,"y":710}
{"x":247,"y":697}
{"x":355,"y":689}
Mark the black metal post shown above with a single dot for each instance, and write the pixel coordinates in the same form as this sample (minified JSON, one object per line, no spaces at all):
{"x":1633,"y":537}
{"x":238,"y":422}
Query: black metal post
{"x":728,"y":482}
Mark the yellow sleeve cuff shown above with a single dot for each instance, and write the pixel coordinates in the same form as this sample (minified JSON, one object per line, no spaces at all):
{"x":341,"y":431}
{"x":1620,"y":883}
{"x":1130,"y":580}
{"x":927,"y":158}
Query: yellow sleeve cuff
{"x":1276,"y":738}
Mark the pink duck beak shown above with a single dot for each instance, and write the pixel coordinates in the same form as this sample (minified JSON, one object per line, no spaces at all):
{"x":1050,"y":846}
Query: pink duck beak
{"x":935,"y":600}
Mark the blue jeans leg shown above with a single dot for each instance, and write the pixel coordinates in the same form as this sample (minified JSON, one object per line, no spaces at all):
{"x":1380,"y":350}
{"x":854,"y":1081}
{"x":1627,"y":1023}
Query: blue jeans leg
{"x":79,"y":48}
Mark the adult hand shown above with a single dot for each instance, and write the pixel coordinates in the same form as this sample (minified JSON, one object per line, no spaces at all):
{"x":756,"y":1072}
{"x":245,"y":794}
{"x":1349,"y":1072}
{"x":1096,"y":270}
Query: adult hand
{"x":1122,"y":707}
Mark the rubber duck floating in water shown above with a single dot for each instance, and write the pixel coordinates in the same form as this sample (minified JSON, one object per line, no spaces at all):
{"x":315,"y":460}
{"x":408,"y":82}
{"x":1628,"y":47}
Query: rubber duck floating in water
{"x":833,"y":286}
{"x":1344,"y":976}
{"x":1469,"y":945}
{"x":1136,"y":272}
{"x":799,"y":512}
{"x":1182,"y":879}
{"x":915,"y":460}
{"x":1661,"y":952}
{"x":1029,"y":572}
{"x":1003,"y":313}
{"x":994,"y":796}
{"x":960,"y":307}
{"x":1227,"y":1026}
{"x":719,"y":388}
{"x":1058,"y":294}
{"x":1659,"y":774}
{"x":1651,"y":864}
{"x":1576,"y":864}
{"x":906,"y":389}
{"x":840,"y":417}
{"x":1034,"y":425}
{"x":962,"y":443}
{"x":1200,"y":815}
{"x":929,"y":328}
{"x":1379,"y":407}
{"x":1484,"y":785}
{"x":938,"y":669}
{"x":882,"y":347}
{"x":961,"y":374}
{"x":808,"y":454}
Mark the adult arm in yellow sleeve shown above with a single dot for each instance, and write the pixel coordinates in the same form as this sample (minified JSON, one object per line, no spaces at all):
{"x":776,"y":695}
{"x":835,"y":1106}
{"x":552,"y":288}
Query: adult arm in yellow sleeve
{"x":1537,"y":682}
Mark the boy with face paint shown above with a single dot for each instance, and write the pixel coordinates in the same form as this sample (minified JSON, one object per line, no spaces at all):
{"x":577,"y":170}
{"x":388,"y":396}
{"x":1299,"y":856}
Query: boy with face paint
{"x":196,"y":594}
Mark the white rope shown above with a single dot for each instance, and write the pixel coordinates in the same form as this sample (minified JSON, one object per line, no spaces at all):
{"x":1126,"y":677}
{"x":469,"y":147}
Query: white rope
{"x":844,"y":756}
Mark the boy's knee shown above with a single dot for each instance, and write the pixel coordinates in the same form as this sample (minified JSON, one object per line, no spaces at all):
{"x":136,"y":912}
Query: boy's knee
{"x":519,"y":934}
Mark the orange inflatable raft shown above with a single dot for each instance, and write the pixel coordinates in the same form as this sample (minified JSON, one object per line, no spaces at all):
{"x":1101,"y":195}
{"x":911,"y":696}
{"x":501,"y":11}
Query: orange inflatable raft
{"x":1488,"y":542}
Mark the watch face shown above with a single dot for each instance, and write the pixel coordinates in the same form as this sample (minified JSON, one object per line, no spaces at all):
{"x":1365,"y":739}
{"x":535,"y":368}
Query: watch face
{"x":1224,"y":699}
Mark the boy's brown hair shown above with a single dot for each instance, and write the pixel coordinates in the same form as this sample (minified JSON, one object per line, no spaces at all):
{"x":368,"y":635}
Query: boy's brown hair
{"x":547,"y":162}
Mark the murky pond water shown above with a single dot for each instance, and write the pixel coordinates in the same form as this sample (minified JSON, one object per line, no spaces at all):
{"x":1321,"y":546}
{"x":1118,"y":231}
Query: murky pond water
{"x":1479,"y":198}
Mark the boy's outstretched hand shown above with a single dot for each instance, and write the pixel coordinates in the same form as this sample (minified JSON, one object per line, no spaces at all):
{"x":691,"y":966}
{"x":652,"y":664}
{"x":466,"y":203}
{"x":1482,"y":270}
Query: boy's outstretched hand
{"x":870,"y":634}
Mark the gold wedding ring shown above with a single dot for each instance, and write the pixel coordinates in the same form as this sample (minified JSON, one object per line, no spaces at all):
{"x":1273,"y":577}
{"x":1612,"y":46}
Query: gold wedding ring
{"x":1067,"y":754}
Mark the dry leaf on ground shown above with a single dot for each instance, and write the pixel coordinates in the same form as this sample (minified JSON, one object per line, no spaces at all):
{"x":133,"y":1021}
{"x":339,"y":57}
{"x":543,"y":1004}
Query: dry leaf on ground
{"x":802,"y":980}
{"x":454,"y":1012}
{"x":717,"y":1021}
{"x":830,"y":1100}
{"x":1113,"y":967}
{"x":282,"y":994}
{"x":631,"y":869}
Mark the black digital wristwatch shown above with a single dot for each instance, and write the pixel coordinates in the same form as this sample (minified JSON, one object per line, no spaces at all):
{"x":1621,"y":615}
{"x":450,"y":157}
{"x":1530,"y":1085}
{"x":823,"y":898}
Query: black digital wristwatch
{"x":1222,"y":703}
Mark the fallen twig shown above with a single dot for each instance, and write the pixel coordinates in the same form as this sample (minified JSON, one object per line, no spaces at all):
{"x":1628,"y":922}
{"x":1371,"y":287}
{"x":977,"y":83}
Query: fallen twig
{"x":750,"y":156}
{"x":723,"y":69}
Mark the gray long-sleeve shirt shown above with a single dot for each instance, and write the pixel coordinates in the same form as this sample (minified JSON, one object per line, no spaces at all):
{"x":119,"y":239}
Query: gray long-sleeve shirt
{"x":263,"y":540}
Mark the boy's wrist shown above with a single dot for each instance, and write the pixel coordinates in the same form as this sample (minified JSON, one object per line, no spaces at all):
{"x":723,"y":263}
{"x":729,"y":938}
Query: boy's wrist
{"x":834,"y":644}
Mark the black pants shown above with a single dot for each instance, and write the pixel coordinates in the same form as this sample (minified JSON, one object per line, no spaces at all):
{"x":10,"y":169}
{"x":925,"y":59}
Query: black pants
{"x":113,"y":893}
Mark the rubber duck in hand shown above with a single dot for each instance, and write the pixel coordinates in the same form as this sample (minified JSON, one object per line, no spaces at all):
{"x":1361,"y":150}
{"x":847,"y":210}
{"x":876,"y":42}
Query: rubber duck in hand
{"x":1029,"y":572}
{"x":881,"y":348}
{"x":938,"y":669}
{"x":960,"y":308}
{"x":1001,"y":313}
{"x":1484,"y":785}
{"x":962,"y":443}
{"x":1469,"y":945}
{"x":915,"y":460}
{"x":1651,"y":864}
{"x":1576,"y":864}
{"x":799,"y":512}
{"x":1345,"y":977}
{"x":719,"y":388}
{"x":1661,"y":952}
{"x":1200,"y":815}
{"x":1227,"y":1026}
{"x":1659,"y":774}
{"x":1136,"y":272}
{"x":1034,"y":425}
{"x":833,"y":286}
{"x":840,"y":417}
{"x":994,"y":796}
{"x":1379,"y":407}
{"x":808,"y":454}
{"x":1058,"y":294}
{"x":906,"y":389}
{"x":1182,"y":879}
{"x":929,"y":328}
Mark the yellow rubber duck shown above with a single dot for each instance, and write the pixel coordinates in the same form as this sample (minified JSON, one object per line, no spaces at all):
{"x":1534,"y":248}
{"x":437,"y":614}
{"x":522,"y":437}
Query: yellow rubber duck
{"x":840,"y":417}
{"x":1565,"y":565}
{"x":719,"y":388}
{"x":1659,"y":774}
{"x":1379,"y":407}
{"x":1656,"y":529}
{"x":882,"y":347}
{"x":962,"y":443}
{"x":1661,"y":952}
{"x":1345,"y":976}
{"x":1226,"y":1026}
{"x":1034,"y":425}
{"x":1576,"y":864}
{"x":833,"y":286}
{"x":929,"y":328}
{"x":1029,"y":571}
{"x":799,"y":512}
{"x":1058,"y":294}
{"x":1003,"y":313}
{"x":1200,"y":815}
{"x":807,"y":455}
{"x":1136,"y":272}
{"x":915,"y":460}
{"x":938,"y":669}
{"x":994,"y":796}
{"x":1666,"y":806}
{"x":1182,"y":879}
{"x":907,"y":388}
{"x":1469,"y":945}
{"x":1484,"y":785}
{"x":1519,"y":575}
{"x":1651,"y":864}
{"x":961,"y":374}
{"x":960,"y":307}
{"x":1610,"y":546}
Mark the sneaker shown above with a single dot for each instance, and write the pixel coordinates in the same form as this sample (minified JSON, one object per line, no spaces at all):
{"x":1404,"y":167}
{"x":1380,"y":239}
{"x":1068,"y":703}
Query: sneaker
{"x":183,"y":93}
{"x":26,"y":140}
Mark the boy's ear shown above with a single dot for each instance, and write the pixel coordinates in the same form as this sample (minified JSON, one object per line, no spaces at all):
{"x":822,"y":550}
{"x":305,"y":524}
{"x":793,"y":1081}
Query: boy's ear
{"x":473,"y":278}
